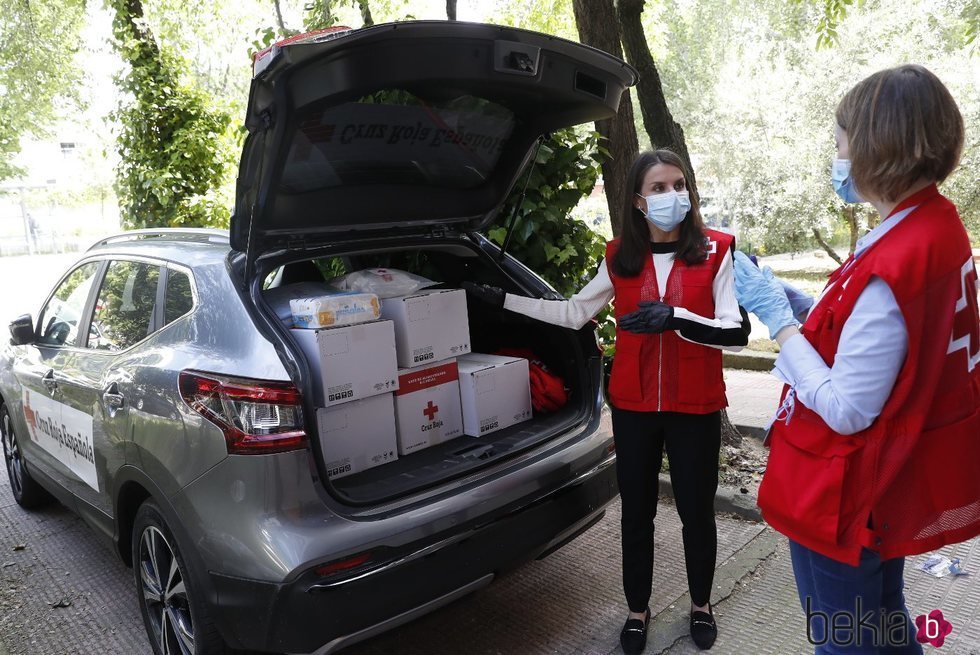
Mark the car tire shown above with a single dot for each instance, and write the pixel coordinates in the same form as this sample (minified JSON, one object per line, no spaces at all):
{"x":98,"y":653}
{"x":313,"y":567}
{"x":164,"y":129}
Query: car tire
{"x":174,"y":614}
{"x":27,"y":492}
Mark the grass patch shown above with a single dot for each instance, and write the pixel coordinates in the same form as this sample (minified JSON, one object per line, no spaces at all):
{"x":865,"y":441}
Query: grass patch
{"x":803,"y":274}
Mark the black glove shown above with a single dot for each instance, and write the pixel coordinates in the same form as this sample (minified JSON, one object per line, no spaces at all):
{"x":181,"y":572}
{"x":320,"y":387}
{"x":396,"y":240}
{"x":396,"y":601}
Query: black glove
{"x":652,"y":317}
{"x":493,"y":296}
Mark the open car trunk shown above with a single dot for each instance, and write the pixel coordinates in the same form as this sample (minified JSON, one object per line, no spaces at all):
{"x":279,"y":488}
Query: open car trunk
{"x":450,"y":260}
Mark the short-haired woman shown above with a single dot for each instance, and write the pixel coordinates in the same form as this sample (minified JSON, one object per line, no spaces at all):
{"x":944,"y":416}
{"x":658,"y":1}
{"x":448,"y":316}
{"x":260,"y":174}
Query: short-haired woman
{"x":670,"y":280}
{"x":875,"y":449}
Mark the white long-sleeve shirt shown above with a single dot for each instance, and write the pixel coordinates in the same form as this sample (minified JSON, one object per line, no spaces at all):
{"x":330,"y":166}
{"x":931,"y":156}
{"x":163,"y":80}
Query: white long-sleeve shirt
{"x":716,"y":331}
{"x":850,"y":395}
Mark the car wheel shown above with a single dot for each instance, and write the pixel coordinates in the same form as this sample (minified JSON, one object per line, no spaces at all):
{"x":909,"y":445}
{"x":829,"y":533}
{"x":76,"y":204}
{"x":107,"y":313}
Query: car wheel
{"x":175,"y":618}
{"x":27,"y":492}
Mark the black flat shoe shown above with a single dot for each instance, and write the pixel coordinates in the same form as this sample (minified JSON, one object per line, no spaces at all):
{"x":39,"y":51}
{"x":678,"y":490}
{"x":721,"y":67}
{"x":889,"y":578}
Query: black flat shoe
{"x":633,"y":638}
{"x":704,"y":630}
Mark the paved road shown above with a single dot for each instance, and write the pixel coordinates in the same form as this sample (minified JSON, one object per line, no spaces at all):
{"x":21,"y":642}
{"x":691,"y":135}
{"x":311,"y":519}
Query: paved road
{"x":570,"y":602}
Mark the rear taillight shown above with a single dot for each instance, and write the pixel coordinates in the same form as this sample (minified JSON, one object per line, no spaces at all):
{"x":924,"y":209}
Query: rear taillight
{"x":257,"y":416}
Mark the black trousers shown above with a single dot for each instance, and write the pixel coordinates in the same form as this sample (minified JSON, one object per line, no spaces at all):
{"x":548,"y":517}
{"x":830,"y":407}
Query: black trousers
{"x":692,"y":442}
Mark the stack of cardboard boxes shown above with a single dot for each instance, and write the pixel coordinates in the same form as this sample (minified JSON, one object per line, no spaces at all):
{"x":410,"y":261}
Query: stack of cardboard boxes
{"x":391,"y":387}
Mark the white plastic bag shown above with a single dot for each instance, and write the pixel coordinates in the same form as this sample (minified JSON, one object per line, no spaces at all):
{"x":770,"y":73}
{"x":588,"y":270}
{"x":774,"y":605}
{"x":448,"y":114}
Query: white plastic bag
{"x":383,"y":282}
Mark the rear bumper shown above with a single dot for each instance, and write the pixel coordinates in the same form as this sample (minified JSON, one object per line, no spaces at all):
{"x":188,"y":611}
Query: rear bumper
{"x":310,"y":616}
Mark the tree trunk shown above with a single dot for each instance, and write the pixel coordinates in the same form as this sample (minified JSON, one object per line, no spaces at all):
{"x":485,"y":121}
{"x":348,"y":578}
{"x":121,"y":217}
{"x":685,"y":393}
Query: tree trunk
{"x":850,"y":215}
{"x":730,"y":436}
{"x":663,"y":130}
{"x":138,"y":27}
{"x":365,"y":12}
{"x":826,"y":246}
{"x":451,"y":9}
{"x":599,"y":28}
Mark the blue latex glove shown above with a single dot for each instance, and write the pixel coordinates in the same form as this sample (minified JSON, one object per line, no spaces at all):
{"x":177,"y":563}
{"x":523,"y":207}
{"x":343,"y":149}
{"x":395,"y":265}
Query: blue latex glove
{"x":799,"y":301}
{"x":759,"y":292}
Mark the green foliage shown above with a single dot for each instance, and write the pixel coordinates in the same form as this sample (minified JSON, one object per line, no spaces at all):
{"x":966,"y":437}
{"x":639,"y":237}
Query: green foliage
{"x":971,"y":18}
{"x":834,"y":13}
{"x":546,"y":238}
{"x":39,"y":40}
{"x":757,"y":102}
{"x":171,"y":145}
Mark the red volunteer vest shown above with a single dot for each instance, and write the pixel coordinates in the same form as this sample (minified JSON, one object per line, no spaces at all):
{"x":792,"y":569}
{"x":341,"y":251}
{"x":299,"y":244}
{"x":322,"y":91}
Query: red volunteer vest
{"x":662,"y":372}
{"x":909,"y":483}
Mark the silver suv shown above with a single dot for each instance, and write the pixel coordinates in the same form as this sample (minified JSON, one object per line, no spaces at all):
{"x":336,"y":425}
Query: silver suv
{"x":160,"y":396}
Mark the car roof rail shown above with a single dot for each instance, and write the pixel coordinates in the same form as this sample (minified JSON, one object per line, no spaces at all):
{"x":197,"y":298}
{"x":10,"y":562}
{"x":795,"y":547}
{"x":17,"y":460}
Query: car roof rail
{"x":194,"y":234}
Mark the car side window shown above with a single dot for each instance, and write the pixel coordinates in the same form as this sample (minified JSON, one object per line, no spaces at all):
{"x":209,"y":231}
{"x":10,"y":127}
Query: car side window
{"x":59,"y":319}
{"x":179,"y":298}
{"x":126,"y":306}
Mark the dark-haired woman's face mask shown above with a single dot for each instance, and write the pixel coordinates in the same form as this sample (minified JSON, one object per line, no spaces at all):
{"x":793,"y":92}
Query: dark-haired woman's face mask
{"x":666,"y":210}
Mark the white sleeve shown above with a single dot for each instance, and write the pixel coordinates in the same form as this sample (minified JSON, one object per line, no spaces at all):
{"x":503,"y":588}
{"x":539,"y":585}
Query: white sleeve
{"x":850,"y":395}
{"x":728,"y":328}
{"x":572,"y":313}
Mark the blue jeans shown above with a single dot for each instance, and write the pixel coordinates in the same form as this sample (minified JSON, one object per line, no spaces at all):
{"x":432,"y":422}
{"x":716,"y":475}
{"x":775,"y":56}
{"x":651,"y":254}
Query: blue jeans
{"x":854,"y":609}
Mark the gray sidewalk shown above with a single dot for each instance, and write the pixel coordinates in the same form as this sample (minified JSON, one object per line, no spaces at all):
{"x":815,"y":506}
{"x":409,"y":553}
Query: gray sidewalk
{"x":752,"y":397}
{"x":569,"y":603}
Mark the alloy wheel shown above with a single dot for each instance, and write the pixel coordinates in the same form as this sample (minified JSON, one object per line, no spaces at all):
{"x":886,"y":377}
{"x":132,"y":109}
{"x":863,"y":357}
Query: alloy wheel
{"x":165,"y":594}
{"x":11,"y":455}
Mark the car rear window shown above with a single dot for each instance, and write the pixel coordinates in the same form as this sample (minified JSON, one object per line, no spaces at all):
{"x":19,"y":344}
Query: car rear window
{"x":179,"y":298}
{"x":395,"y":137}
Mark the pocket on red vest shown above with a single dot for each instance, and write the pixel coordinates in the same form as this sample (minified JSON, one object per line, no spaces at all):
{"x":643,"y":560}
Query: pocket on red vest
{"x":802,"y":489}
{"x":624,"y":381}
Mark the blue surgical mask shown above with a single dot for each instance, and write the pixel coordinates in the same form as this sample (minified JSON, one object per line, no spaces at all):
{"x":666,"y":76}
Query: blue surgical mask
{"x":840,"y":177}
{"x":667,"y":210}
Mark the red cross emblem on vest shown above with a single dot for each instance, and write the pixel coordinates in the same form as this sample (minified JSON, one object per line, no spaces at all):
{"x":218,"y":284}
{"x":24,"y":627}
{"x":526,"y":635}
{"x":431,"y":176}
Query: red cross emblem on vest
{"x":966,"y":329}
{"x":430,"y":411}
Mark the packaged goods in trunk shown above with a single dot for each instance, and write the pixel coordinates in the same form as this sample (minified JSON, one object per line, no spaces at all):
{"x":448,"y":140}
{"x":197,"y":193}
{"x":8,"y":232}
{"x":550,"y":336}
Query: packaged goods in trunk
{"x":430,"y":325}
{"x":350,"y":362}
{"x":495,"y":392}
{"x":357,"y":435}
{"x":334,"y":309}
{"x":427,"y":406}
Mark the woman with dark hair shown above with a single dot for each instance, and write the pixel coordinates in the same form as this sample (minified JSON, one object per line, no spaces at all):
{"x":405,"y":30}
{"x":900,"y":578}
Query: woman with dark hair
{"x":671,"y":283}
{"x":875,"y":449}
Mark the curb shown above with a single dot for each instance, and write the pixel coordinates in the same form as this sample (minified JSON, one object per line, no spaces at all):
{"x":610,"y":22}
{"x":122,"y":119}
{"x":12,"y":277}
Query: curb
{"x":755,"y":431}
{"x":672,"y":624}
{"x":749,"y":360}
{"x":727,"y":499}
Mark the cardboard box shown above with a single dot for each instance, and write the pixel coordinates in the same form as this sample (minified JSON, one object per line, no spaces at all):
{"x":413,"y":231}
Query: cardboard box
{"x":358,"y":435}
{"x":427,"y":407}
{"x":334,"y":309}
{"x":350,"y":362}
{"x":495,"y":392}
{"x":430,"y":325}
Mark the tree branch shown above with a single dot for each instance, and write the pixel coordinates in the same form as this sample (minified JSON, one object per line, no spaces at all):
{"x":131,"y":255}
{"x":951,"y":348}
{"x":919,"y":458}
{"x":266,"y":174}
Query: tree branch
{"x":282,"y":25}
{"x":826,"y":246}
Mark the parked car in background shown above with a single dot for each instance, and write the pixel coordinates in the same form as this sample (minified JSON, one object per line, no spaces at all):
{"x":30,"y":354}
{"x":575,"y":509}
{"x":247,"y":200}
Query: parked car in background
{"x":159,"y":395}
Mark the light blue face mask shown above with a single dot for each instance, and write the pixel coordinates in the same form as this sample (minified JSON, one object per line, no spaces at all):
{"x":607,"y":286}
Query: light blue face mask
{"x":667,"y":210}
{"x":840,"y":177}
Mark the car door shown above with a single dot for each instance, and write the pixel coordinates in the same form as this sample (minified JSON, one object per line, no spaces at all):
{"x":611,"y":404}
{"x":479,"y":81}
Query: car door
{"x":66,"y":458}
{"x":94,"y":384}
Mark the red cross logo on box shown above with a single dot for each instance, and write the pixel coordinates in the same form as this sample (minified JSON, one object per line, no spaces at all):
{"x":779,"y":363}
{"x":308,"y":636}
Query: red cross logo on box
{"x":966,"y":330}
{"x":430,"y":411}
